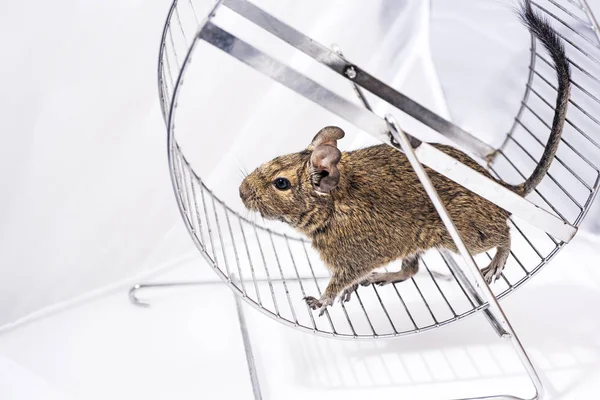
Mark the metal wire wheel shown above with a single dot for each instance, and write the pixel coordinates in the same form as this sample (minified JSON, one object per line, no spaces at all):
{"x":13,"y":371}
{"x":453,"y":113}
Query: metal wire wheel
{"x":272,"y":269}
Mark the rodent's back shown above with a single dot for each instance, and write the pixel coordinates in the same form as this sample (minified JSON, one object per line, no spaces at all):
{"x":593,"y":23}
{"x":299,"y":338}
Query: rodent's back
{"x":381,"y":208}
{"x":384,"y":173}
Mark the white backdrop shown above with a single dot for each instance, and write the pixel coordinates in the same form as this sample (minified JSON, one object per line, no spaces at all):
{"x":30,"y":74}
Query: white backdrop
{"x":85,"y":197}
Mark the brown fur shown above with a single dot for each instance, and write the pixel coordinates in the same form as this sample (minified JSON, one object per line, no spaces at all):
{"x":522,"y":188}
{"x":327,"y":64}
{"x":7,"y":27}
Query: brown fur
{"x":378,"y":213}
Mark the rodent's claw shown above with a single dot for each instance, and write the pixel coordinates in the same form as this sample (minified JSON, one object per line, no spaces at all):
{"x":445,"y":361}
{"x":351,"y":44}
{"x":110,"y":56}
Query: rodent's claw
{"x":491,"y":275}
{"x":347,"y":293}
{"x":322,"y":310}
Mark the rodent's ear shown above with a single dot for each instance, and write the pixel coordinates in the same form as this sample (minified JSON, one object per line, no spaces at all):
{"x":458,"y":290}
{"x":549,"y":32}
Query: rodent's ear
{"x":328,"y":135}
{"x":324,"y":174}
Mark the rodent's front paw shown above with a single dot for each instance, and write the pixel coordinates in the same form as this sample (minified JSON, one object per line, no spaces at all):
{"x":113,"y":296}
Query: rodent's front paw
{"x":312,"y":302}
{"x":318,"y":304}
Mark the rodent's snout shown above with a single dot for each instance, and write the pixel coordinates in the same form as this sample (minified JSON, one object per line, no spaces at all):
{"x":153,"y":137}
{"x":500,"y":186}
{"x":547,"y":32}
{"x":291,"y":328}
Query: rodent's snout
{"x":245,"y":191}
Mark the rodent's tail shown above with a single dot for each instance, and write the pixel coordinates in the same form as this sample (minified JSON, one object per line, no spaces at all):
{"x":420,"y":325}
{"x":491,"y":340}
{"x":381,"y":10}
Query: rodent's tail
{"x":554,"y":45}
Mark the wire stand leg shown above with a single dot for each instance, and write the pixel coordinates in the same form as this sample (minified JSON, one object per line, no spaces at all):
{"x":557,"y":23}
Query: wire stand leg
{"x":252,"y":371}
{"x":247,"y":347}
{"x":472,"y":292}
{"x":141,"y":286}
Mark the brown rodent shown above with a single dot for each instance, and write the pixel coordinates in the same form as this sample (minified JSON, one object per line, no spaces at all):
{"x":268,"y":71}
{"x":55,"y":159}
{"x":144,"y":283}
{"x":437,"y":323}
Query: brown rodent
{"x":366,"y":208}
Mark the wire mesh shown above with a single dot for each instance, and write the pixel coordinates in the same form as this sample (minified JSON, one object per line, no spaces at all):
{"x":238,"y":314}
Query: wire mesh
{"x":276,"y":270}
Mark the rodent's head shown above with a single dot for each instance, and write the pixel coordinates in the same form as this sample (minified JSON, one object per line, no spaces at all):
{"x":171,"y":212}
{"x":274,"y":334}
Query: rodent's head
{"x":296,"y":188}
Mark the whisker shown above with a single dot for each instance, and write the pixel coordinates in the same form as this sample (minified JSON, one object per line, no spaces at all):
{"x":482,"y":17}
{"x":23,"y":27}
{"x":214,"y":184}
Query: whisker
{"x":241,"y":166}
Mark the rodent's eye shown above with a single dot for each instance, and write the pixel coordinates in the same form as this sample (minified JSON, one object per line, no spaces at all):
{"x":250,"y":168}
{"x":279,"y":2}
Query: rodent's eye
{"x":282,"y":184}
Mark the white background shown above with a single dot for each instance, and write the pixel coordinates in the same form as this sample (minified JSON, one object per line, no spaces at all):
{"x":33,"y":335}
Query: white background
{"x":85,"y":199}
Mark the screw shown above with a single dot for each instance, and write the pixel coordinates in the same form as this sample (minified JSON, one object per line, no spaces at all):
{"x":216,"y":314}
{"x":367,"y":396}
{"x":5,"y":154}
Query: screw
{"x":350,"y":72}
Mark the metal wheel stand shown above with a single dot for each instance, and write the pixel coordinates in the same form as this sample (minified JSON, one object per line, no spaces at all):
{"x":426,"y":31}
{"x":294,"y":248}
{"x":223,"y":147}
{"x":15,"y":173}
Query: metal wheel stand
{"x":206,"y":216}
{"x":493,"y":312}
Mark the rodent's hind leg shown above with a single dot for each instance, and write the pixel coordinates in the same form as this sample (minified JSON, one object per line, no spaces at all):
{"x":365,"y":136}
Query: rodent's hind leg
{"x":492,"y":272}
{"x":410,"y":266}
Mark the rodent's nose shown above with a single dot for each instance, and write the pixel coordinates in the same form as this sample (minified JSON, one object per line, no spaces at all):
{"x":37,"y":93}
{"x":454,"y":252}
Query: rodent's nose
{"x":244,"y":191}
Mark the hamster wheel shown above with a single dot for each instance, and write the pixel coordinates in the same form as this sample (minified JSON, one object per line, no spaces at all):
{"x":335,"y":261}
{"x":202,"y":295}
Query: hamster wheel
{"x":276,"y":269}
{"x":271,"y":268}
